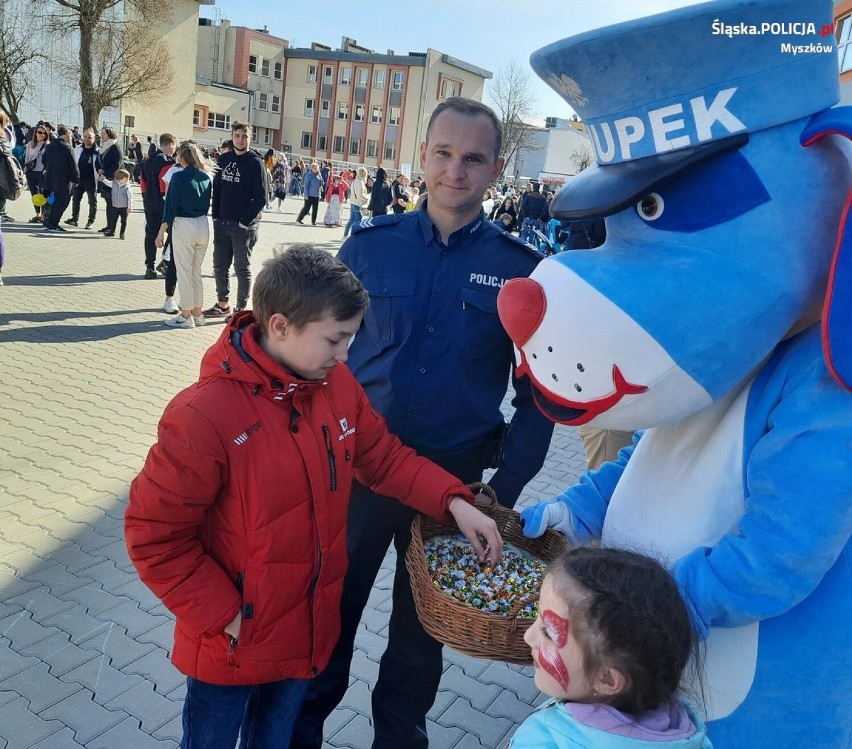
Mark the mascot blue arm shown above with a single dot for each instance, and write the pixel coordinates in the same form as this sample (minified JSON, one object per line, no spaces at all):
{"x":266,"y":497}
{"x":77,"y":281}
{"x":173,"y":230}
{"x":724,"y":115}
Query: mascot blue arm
{"x":797,"y":521}
{"x":578,"y":512}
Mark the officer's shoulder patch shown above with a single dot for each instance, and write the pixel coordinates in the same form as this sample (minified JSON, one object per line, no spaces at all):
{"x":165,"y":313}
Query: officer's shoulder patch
{"x":388,"y":219}
{"x":517,"y":242}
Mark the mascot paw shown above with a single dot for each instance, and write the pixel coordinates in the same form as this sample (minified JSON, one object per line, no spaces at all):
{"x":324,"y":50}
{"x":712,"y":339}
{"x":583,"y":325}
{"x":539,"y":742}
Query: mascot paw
{"x":551,"y":514}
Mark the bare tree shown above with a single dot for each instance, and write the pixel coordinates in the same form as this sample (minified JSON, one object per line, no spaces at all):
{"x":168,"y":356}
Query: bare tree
{"x":120,"y":54}
{"x":515,"y":105}
{"x":582,"y":158}
{"x":18,"y":53}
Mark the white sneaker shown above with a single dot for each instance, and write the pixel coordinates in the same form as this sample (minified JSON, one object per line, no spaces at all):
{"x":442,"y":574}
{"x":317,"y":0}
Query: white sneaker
{"x":171,"y":306}
{"x":179,"y":321}
{"x":199,"y":320}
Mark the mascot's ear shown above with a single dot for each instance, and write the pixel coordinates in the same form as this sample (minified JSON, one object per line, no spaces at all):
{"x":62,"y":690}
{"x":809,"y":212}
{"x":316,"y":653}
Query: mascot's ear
{"x":837,"y":311}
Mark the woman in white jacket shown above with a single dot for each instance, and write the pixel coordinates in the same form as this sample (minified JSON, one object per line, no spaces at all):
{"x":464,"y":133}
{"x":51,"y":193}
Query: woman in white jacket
{"x":358,"y":197}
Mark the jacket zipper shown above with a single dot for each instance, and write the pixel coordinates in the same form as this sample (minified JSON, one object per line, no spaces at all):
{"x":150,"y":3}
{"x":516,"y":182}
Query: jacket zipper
{"x":332,"y":465}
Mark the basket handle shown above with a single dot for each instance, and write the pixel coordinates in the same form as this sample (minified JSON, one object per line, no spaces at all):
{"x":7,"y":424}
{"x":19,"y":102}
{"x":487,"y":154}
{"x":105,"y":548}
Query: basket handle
{"x":480,"y":487}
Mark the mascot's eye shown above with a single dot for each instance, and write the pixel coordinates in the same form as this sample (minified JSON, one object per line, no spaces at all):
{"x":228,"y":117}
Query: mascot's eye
{"x":651,"y":207}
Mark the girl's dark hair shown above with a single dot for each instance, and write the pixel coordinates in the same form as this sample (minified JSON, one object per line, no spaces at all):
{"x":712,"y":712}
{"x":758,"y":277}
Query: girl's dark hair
{"x":381,"y":175}
{"x":632,"y":618}
{"x":305,"y":283}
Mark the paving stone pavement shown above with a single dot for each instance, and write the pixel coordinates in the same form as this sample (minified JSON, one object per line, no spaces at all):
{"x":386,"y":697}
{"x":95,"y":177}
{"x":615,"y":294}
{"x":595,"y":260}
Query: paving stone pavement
{"x":88,"y":367}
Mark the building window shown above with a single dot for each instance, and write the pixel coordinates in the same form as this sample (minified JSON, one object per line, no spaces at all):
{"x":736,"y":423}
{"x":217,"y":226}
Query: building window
{"x":267,"y":135}
{"x":322,"y":143}
{"x":354,"y":146}
{"x":306,"y":139}
{"x":337,"y":144}
{"x":844,"y":37}
{"x":328,"y":74}
{"x":390,"y":150}
{"x":264,"y":67}
{"x":276,"y":103}
{"x":379,"y":79}
{"x":309,"y":107}
{"x":325,"y":108}
{"x":263,"y":102}
{"x":376,"y":116}
{"x":448,"y":87}
{"x":219,"y":121}
{"x":342,"y":110}
{"x":278,"y":69}
{"x":393,"y":116}
{"x":362,"y":77}
{"x":196,"y":117}
{"x":372,"y":147}
{"x":359,"y":113}
{"x":252,"y":63}
{"x":345,"y":76}
{"x":397,"y":78}
{"x":312,"y":73}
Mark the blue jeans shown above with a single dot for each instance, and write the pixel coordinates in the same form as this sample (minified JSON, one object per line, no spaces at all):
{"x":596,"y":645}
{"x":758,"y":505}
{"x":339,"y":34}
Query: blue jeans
{"x":354,"y":218}
{"x":233,"y":244}
{"x":261,"y":715}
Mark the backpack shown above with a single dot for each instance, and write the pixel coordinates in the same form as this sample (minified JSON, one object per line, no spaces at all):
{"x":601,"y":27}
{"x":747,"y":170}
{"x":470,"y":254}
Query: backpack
{"x":12,"y":179}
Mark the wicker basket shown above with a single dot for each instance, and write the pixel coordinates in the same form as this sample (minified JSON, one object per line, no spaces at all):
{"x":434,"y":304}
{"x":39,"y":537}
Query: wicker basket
{"x":481,"y":634}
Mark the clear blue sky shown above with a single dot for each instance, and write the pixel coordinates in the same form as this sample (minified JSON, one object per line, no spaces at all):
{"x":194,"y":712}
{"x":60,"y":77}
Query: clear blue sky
{"x":487,"y":33}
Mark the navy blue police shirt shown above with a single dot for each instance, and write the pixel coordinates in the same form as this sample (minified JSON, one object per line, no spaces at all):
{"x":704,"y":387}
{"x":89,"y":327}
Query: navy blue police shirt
{"x":431,"y":353}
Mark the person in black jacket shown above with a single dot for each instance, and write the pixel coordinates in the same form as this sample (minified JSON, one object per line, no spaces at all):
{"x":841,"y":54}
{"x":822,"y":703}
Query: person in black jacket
{"x":60,"y":172}
{"x":534,"y":205}
{"x":154,"y":168}
{"x":86,"y":153}
{"x":239,"y":197}
{"x":109,"y":159}
{"x":380,"y":195}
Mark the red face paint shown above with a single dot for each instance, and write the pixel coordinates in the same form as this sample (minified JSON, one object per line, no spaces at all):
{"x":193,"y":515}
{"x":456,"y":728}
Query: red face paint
{"x":556,"y":627}
{"x":548,"y":654}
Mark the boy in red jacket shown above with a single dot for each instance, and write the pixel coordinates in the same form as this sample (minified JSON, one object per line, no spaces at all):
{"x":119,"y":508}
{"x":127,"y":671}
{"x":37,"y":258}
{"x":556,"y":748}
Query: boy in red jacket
{"x":238,"y":518}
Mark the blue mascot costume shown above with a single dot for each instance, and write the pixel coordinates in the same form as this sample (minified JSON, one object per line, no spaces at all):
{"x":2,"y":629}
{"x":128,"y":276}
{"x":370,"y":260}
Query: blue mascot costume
{"x":717,"y":319}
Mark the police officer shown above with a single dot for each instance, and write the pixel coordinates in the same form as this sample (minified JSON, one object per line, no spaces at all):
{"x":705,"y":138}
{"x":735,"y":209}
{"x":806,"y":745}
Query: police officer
{"x":435,"y":362}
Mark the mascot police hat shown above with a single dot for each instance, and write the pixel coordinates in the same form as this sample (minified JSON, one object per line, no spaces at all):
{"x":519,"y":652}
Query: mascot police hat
{"x":660,"y":93}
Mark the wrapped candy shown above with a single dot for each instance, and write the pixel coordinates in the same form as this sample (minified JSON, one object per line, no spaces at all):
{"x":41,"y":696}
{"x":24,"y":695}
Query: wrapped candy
{"x":456,"y":571}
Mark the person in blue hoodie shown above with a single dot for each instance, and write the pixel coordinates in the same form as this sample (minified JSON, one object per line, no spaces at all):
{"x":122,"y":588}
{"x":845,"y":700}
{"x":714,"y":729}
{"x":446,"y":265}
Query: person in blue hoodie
{"x":610,"y":645}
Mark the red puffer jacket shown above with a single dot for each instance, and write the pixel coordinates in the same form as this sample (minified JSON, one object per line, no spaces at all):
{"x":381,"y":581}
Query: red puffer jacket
{"x":243,"y":500}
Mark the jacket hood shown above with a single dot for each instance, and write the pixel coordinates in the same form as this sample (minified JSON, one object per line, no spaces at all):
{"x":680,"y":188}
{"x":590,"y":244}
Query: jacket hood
{"x":238,"y":355}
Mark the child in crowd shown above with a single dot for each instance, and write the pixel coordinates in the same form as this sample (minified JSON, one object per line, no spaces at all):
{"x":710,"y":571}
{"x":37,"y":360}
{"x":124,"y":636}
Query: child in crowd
{"x":238,"y":518}
{"x":413,"y":194}
{"x":610,"y":644}
{"x":122,"y":200}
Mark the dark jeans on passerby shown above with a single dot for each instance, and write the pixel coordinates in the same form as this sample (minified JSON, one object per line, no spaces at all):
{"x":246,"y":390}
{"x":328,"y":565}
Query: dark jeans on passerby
{"x":111,"y":216}
{"x":34,"y":184}
{"x":233,"y":244}
{"x":410,"y":669}
{"x":312,"y":205}
{"x":153,"y":220}
{"x":61,"y":199}
{"x":90,"y":191}
{"x":262,"y":714}
{"x":117,"y":213}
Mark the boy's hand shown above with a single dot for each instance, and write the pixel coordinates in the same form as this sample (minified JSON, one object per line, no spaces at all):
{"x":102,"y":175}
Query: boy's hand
{"x":477,"y":526}
{"x":233,"y":629}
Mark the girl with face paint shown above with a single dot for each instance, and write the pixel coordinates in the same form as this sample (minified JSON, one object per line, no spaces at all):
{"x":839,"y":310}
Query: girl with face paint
{"x":610,"y":645}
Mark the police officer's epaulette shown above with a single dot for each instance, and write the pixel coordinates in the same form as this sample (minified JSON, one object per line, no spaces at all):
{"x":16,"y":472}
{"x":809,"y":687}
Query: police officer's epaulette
{"x":388,"y":219}
{"x":518,"y":242}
